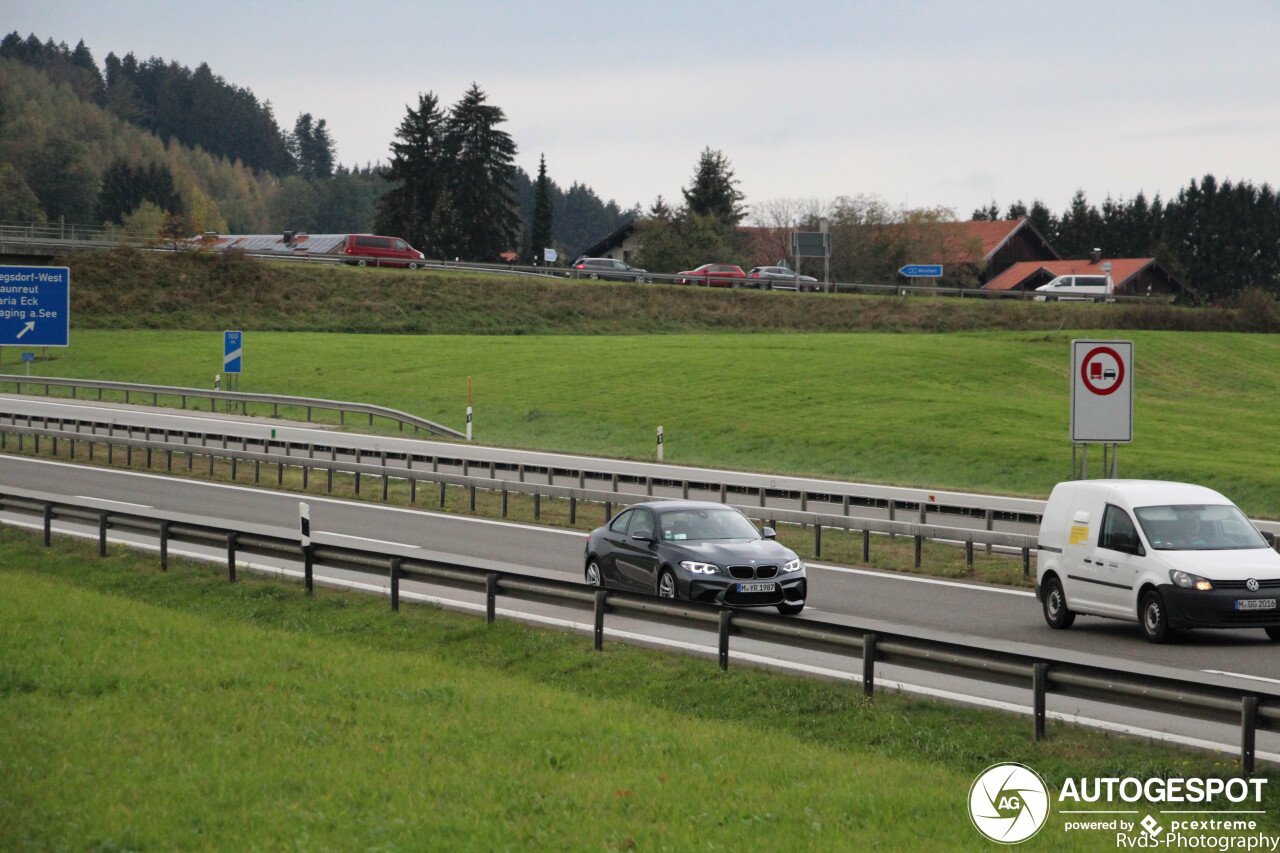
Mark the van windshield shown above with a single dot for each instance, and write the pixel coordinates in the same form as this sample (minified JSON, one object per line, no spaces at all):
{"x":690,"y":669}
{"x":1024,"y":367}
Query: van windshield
{"x":1198,"y":527}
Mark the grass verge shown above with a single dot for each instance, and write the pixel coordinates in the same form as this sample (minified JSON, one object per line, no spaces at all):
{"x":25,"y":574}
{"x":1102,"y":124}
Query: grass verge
{"x":148,"y":710}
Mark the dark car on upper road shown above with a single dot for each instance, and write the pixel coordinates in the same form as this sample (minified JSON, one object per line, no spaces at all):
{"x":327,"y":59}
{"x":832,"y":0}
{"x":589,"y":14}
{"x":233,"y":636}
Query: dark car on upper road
{"x":781,"y":278}
{"x":717,"y":275}
{"x":695,"y":550}
{"x":608,"y":269}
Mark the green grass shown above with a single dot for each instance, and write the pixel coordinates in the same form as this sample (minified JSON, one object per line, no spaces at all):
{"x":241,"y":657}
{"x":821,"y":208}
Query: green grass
{"x":145,"y":710}
{"x":984,"y":411}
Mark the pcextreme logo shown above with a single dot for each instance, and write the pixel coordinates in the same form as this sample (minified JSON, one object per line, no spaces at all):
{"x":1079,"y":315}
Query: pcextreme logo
{"x":1008,"y":803}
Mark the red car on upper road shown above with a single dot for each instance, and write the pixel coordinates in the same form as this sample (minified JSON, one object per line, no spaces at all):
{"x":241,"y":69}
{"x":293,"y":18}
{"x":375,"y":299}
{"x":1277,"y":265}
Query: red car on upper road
{"x":718,"y":275}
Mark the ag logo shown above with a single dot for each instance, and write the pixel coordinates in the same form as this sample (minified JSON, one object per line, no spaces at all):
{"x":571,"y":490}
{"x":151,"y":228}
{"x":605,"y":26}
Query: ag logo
{"x":1008,"y":803}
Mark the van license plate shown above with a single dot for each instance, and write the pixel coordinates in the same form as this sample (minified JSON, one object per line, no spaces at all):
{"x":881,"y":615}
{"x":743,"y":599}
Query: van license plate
{"x":1256,"y":604}
{"x":769,"y":587}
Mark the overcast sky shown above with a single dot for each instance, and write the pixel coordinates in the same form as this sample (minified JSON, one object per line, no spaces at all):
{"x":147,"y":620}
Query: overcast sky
{"x":921,"y":103}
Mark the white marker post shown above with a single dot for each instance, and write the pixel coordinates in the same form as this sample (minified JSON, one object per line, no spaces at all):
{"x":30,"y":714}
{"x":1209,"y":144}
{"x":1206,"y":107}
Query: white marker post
{"x":468,"y":408}
{"x":217,"y":381}
{"x":659,"y":443}
{"x":304,"y":524}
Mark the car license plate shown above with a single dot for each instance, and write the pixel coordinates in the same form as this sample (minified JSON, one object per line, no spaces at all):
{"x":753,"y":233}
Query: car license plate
{"x":1256,"y":604}
{"x":756,"y":587}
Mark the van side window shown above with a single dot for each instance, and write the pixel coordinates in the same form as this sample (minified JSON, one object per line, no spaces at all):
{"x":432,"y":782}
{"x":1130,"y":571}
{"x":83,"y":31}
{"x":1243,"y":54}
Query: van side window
{"x":1118,"y":532}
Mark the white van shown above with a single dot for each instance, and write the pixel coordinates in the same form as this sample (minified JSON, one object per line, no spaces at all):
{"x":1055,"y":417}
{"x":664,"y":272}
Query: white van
{"x":1077,"y":287}
{"x":1165,"y":555}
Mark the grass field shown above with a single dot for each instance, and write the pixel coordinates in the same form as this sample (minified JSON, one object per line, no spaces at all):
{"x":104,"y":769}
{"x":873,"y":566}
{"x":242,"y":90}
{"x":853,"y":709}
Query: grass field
{"x":984,"y":411}
{"x":144,"y":710}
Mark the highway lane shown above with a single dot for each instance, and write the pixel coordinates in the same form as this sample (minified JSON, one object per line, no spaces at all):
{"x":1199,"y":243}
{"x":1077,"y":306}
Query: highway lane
{"x":983,"y":615}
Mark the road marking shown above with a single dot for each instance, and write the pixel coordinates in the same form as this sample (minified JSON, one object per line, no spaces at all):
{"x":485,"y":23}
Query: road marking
{"x":118,"y":503}
{"x":1242,"y":675}
{"x":327,"y":535}
{"x":915,"y":579}
{"x":309,"y":498}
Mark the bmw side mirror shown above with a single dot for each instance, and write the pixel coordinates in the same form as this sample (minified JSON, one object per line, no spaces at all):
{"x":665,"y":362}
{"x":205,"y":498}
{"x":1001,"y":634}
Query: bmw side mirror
{"x":642,"y":536}
{"x":769,"y":533}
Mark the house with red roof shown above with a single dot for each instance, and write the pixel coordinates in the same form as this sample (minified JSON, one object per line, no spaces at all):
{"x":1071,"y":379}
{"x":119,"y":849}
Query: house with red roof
{"x":1132,"y":276}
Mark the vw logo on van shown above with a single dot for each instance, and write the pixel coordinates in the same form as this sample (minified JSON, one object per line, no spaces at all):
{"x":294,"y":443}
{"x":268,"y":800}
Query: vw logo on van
{"x":1252,"y":585}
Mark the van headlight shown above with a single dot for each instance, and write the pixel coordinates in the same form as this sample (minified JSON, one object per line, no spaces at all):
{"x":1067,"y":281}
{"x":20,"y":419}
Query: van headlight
{"x":699,"y":568}
{"x":793,"y":565}
{"x":1186,"y":580}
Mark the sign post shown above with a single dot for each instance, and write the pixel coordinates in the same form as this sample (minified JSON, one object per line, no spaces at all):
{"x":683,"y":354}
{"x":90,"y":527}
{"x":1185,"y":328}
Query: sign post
{"x":232,"y":358}
{"x":35,"y":306}
{"x":921,"y":271}
{"x":812,"y":244}
{"x":468,"y":408}
{"x":1101,"y":399}
{"x":659,"y":443}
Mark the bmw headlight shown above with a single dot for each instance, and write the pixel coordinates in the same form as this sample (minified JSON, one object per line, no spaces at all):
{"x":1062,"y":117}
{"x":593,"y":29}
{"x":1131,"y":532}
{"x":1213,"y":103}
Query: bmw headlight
{"x":793,"y":565}
{"x":699,"y":568}
{"x":1186,"y":580}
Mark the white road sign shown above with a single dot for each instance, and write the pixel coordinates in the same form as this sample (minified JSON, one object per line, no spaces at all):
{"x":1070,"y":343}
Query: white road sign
{"x":1102,"y":392}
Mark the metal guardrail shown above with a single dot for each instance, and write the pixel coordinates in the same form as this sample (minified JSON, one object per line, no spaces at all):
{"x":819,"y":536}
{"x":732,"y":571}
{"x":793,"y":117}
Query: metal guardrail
{"x":1043,"y":674}
{"x":242,"y":398}
{"x":919,"y":532}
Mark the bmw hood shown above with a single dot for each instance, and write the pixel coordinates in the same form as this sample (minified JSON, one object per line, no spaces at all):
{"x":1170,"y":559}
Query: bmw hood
{"x":745,"y":552}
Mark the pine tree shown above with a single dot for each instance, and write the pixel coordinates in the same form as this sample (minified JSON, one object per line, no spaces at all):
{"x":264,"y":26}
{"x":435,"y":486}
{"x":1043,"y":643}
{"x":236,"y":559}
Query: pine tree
{"x":418,"y":178}
{"x":481,"y":158}
{"x":714,"y":190}
{"x":540,"y":232}
{"x":312,"y":148}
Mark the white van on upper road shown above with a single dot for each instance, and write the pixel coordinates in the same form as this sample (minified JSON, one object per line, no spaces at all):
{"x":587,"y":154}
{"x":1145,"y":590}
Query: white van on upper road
{"x":1165,"y":555}
{"x":1077,"y":287}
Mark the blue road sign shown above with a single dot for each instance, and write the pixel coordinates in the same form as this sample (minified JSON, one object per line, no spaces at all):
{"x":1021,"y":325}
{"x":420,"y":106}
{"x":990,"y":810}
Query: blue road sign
{"x":922,"y":271}
{"x":28,"y":356}
{"x":232,"y":350}
{"x":35,"y":306}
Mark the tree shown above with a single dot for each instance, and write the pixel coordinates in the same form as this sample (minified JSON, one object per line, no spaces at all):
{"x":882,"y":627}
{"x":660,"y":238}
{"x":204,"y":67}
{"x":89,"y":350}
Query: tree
{"x":541,"y":230}
{"x":418,"y":179}
{"x":17,"y":202}
{"x":481,"y":180}
{"x":685,"y":242}
{"x":714,"y":190}
{"x":125,"y":188}
{"x":312,"y":148}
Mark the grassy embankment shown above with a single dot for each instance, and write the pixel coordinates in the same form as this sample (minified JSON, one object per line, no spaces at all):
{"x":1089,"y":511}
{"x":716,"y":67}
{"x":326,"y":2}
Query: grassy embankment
{"x":144,"y":710}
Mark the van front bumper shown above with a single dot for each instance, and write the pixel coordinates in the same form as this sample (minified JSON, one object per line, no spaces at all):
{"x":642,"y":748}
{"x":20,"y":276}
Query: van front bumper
{"x":1193,"y":608}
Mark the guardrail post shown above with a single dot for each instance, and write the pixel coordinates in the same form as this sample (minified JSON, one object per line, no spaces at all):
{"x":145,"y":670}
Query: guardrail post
{"x":234,"y":467}
{"x":305,"y":471}
{"x":817,"y":541}
{"x":231,"y":556}
{"x":537,"y":506}
{"x":1039,"y":685}
{"x":164,"y":546}
{"x":869,"y":665}
{"x":991,"y":517}
{"x":573,"y":509}
{"x":279,"y":473}
{"x":866,"y":545}
{"x":333,"y":457}
{"x":473,"y":497}
{"x":1248,"y":733}
{"x":357,"y":473}
{"x":919,"y":545}
{"x":608,"y":511}
{"x":968,"y":554}
{"x":601,"y":596}
{"x":102,"y":534}
{"x":726,"y":621}
{"x":385,"y":478}
{"x":48,"y":523}
{"x":723,"y":493}
{"x":442,"y":494}
{"x":413,"y":490}
{"x":490,"y":597}
{"x":1026,"y":561}
{"x":308,"y":568}
{"x":892,"y":505}
{"x":395,"y":584}
{"x":648,"y":486}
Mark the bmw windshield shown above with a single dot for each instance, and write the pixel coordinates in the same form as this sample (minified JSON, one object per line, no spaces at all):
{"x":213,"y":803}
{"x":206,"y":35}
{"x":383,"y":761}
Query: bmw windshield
{"x":1198,"y":527}
{"x":701,"y":525}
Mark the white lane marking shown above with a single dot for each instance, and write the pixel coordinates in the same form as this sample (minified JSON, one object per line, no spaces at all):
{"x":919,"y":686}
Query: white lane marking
{"x":915,"y":579}
{"x":328,"y":535}
{"x":308,"y":497}
{"x":711,"y":651}
{"x":1242,"y":675}
{"x":118,"y":503}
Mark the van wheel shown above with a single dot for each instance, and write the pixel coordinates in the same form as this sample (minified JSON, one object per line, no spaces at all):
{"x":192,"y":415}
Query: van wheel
{"x":1154,"y":618}
{"x":413,"y":266}
{"x":1274,"y":634}
{"x":362,"y":263}
{"x":1056,"y":612}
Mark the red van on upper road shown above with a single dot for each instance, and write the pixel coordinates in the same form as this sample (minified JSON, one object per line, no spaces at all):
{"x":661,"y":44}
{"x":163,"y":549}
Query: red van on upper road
{"x":365,"y":249}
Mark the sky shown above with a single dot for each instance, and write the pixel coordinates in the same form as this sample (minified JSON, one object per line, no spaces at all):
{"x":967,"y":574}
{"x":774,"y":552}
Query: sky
{"x":922,"y":103}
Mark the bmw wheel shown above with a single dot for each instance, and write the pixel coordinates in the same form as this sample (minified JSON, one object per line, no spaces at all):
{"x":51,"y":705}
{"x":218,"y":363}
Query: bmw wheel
{"x":1056,"y":612}
{"x":667,"y":585}
{"x":1154,"y":618}
{"x":593,"y":575}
